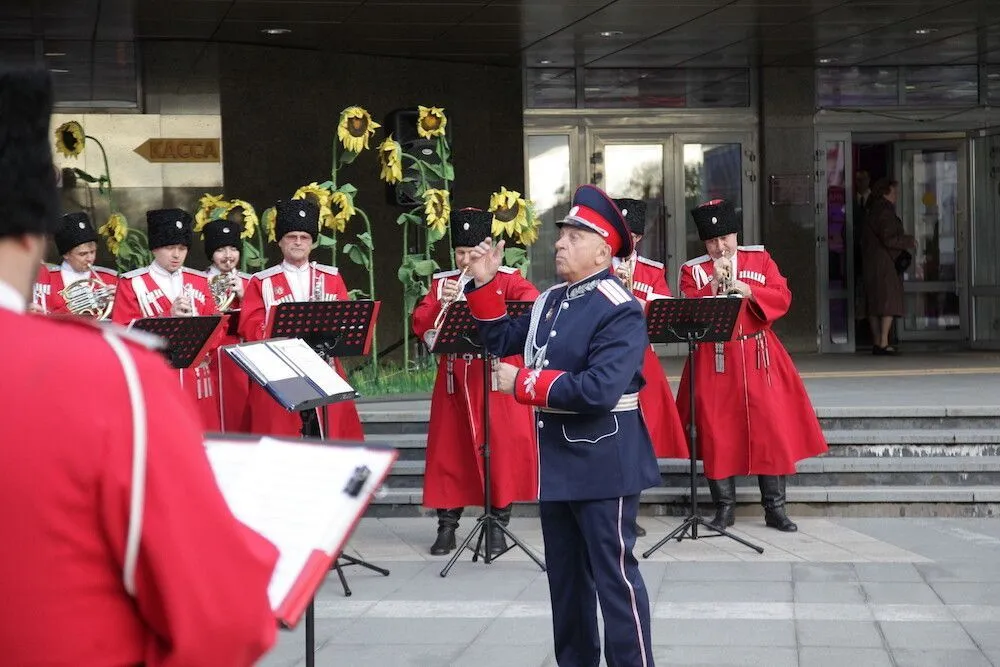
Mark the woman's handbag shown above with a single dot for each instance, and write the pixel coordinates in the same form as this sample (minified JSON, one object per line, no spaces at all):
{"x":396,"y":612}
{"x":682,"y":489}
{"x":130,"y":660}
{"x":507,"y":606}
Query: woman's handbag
{"x":903,"y":261}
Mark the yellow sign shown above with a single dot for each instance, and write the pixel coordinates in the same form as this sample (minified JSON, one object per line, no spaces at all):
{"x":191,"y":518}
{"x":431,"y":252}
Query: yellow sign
{"x":180,"y":150}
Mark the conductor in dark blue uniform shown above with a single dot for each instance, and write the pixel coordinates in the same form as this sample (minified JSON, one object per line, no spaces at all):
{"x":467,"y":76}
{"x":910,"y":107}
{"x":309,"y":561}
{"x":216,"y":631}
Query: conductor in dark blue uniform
{"x":583,"y":346}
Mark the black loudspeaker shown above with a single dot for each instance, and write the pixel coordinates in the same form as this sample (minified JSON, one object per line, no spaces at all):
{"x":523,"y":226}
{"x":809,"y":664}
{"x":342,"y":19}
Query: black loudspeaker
{"x":402,"y":123}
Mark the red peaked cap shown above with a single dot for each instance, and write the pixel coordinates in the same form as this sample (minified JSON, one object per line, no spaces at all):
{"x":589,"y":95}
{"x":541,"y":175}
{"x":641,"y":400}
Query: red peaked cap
{"x":594,"y":211}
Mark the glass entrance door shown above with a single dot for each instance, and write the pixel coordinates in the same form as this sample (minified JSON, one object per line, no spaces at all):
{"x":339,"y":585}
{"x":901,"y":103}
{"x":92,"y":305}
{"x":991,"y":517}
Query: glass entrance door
{"x":932,"y":205}
{"x":984,"y":272}
{"x":637,"y":167}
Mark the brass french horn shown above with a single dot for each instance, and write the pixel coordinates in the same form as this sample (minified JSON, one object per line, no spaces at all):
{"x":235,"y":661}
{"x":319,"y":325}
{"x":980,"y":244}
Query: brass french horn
{"x":89,"y":296}
{"x":222,"y":288}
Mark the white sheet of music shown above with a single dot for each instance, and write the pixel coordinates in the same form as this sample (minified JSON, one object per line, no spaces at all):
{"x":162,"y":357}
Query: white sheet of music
{"x":270,"y":366}
{"x":312,"y":365}
{"x":293,"y":494}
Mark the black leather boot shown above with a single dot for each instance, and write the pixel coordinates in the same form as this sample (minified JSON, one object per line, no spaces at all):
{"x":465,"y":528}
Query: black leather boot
{"x":639,"y":530}
{"x":772,"y":497}
{"x":498,"y":542}
{"x":447,"y":524}
{"x":724,"y":498}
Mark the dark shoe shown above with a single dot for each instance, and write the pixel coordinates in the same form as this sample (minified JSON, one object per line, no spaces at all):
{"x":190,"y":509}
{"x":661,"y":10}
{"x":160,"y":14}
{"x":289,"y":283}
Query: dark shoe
{"x":447,"y":524}
{"x":772,"y":498}
{"x":724,"y":498}
{"x":887,"y":351}
{"x":498,"y":541}
{"x":639,"y":530}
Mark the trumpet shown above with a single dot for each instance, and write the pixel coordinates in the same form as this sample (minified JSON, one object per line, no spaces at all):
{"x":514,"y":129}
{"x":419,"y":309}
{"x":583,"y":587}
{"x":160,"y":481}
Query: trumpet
{"x":222,"y":288}
{"x":727,"y":284}
{"x":626,"y":272}
{"x":89,"y":296}
{"x":317,"y":293}
{"x":446,"y":304}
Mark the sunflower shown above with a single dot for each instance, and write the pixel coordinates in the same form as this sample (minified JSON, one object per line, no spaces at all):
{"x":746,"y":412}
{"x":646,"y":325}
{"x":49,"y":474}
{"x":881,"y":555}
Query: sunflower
{"x":431,"y":122}
{"x":268,"y":220}
{"x":529,"y":234}
{"x":390,"y":157}
{"x":239,"y":212}
{"x":343,"y":204}
{"x":115,"y":229}
{"x":437,"y":209}
{"x":70,"y":139}
{"x":510,"y":212}
{"x":321,"y":197}
{"x":356,"y":126}
{"x":206,"y":207}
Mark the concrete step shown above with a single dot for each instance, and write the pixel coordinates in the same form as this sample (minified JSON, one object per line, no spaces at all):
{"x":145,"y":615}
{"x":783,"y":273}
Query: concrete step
{"x":951,"y":471}
{"x":890,"y":444}
{"x":971,"y":501}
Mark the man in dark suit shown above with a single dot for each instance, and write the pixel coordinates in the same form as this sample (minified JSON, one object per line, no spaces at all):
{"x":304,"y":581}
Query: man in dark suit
{"x":583,"y":346}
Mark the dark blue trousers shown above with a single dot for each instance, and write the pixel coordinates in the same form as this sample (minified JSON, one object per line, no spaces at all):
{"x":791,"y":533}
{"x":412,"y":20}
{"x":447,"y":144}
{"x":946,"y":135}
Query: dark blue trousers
{"x":588,"y":556}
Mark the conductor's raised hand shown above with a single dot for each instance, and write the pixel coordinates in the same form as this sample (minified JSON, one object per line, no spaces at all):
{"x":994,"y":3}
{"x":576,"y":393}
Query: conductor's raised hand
{"x":485,"y":260}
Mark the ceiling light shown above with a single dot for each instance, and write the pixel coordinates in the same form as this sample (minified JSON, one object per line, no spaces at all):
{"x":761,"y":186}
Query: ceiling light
{"x":924,"y":31}
{"x":610,"y":33}
{"x":544,"y":62}
{"x":275,"y":31}
{"x":59,"y":71}
{"x":54,"y":54}
{"x":826,"y":61}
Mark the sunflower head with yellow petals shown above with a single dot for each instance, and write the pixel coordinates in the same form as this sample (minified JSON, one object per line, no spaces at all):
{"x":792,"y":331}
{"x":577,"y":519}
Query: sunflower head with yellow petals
{"x":510,"y":213}
{"x":114,"y":230}
{"x":241,"y":213}
{"x":437,"y":209}
{"x":355,"y":129}
{"x":341,"y":210}
{"x":431,"y":122}
{"x":207,"y":206}
{"x":70,"y":139}
{"x":268,"y":219}
{"x":390,"y":158}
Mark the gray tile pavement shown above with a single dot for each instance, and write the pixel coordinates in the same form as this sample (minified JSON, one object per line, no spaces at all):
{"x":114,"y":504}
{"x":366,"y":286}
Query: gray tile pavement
{"x":908,"y":592}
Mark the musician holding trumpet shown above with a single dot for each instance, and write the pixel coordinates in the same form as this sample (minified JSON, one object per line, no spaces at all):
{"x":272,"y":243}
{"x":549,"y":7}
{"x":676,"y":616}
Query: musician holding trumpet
{"x":454,"y":475}
{"x":167,"y":288}
{"x":90,"y":289}
{"x":753,"y":415}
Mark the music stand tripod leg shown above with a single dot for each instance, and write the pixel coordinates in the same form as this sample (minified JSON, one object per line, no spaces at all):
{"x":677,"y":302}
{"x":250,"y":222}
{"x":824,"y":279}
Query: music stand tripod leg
{"x":693,"y":520}
{"x":488,"y":518}
{"x":310,"y":635}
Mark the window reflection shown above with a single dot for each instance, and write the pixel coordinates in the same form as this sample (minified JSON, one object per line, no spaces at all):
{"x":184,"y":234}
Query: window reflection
{"x":549,"y":189}
{"x":711,"y":171}
{"x":837,"y":241}
{"x":635,"y":171}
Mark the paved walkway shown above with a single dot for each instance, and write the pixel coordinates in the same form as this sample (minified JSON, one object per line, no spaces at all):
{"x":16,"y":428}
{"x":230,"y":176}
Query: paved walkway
{"x":854,"y":592}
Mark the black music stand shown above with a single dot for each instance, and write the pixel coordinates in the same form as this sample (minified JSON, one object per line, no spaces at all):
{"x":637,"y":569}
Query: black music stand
{"x":693,"y":321}
{"x":459,"y":334}
{"x":188,"y":338}
{"x":332,"y":329}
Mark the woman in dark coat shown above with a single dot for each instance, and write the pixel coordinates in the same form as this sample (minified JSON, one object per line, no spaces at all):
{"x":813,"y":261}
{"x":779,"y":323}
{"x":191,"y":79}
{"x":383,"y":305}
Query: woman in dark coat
{"x":882,"y":241}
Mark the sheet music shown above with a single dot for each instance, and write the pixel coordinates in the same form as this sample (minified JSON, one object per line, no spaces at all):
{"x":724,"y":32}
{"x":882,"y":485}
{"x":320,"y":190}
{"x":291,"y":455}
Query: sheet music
{"x":312,"y":365}
{"x":293,"y":494}
{"x":268,"y":364}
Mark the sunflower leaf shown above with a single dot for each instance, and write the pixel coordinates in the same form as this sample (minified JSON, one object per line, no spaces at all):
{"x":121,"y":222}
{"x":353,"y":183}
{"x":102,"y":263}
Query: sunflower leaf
{"x":437,"y":169}
{"x":366,"y":239}
{"x":408,"y":217}
{"x":347,"y":157}
{"x":358,"y":255}
{"x":356,"y":294}
{"x":250,"y":252}
{"x":348,"y":189}
{"x":425,"y":267}
{"x":434,"y":234}
{"x":326,"y":241}
{"x":326,"y":185}
{"x":84,"y":175}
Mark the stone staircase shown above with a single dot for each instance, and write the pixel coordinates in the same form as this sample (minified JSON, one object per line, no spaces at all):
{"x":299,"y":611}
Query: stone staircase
{"x":883,"y":461}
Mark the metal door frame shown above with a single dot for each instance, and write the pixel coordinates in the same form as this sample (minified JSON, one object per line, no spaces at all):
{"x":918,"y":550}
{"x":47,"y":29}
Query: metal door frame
{"x":962,"y":274}
{"x":822,"y":247}
{"x":975,"y":291}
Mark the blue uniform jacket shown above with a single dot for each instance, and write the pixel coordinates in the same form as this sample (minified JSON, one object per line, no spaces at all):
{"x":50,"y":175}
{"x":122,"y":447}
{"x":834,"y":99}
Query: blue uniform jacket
{"x":583,"y":346}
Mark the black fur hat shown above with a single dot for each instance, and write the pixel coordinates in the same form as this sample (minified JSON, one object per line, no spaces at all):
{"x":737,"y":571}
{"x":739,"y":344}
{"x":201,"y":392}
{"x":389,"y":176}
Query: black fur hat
{"x":29,"y":201}
{"x":296,"y":215}
{"x":168,"y":226}
{"x":75,"y":230}
{"x":219,"y":234}
{"x":716,"y":218}
{"x":470,"y":227}
{"x":634,"y":212}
